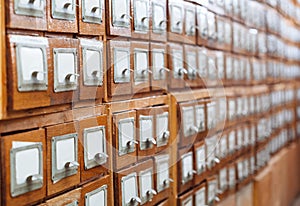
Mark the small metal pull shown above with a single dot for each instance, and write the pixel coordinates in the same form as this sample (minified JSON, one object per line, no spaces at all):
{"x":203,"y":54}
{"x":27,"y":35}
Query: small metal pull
{"x":201,"y":169}
{"x":178,"y":23}
{"x":151,"y":192}
{"x":219,"y":192}
{"x":166,"y":135}
{"x":191,"y":173}
{"x":32,"y":178}
{"x":95,"y":74}
{"x":193,"y":72}
{"x":151,"y":140}
{"x":216,"y":160}
{"x":144,"y":19}
{"x":68,"y":77}
{"x":130,"y":143}
{"x":67,"y":5}
{"x":182,"y":71}
{"x":123,"y":16}
{"x":34,"y":74}
{"x":31,"y":1}
{"x":94,"y":9}
{"x":126,"y":71}
{"x":68,"y":165}
{"x":217,"y":199}
{"x":163,"y":23}
{"x":145,"y":71}
{"x":100,"y":156}
{"x":135,"y":200}
{"x":163,"y":69}
{"x":167,"y":181}
{"x":194,"y":129}
{"x":204,"y":32}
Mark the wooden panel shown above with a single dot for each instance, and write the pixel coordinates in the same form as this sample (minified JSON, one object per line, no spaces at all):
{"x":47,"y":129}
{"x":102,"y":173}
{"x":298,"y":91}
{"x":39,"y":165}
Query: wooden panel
{"x":245,"y":196}
{"x":67,"y":182}
{"x":261,"y":184}
{"x":3,"y":96}
{"x":6,"y":145}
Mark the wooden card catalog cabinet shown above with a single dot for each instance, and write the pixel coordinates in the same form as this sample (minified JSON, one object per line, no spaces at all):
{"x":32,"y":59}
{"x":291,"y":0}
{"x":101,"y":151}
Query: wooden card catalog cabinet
{"x":64,"y":77}
{"x":25,"y":162}
{"x":162,"y":180}
{"x":140,"y":13}
{"x":141,"y":69}
{"x":202,"y":25}
{"x":200,"y":195}
{"x":28,"y":72}
{"x":63,"y":156}
{"x":186,"y":199}
{"x":124,"y":139}
{"x":191,"y":65}
{"x":190,"y":27}
{"x":95,"y":147}
{"x":135,"y":185}
{"x":91,"y":17}
{"x":158,"y":23}
{"x":176,"y":20}
{"x":62,"y":16}
{"x":158,"y":64}
{"x":186,"y":170}
{"x":145,"y":135}
{"x":98,"y":192}
{"x":199,"y":161}
{"x":26,"y":14}
{"x":162,"y":128}
{"x":187,"y":124}
{"x":118,"y":18}
{"x":119,"y":68}
{"x":176,"y":66}
{"x":92,"y":69}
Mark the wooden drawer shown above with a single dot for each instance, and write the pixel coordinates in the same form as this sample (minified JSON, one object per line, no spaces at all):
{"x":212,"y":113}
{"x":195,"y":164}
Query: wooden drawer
{"x":202,"y":25}
{"x":92,"y":69}
{"x":91,"y":17}
{"x":162,"y":180}
{"x":222,"y":182}
{"x":186,"y":199}
{"x":64,"y":75}
{"x":141,"y":70}
{"x":98,"y":192}
{"x":158,"y":20}
{"x":189,"y":25}
{"x":24,"y":160}
{"x":95,"y":143}
{"x":199,"y":162}
{"x":28,"y":75}
{"x":118,"y":18}
{"x":124,"y":139}
{"x":202,"y":65}
{"x":176,"y":20}
{"x":29,"y":15}
{"x":162,"y":128}
{"x":119,"y":70}
{"x":176,"y":66}
{"x":159,"y":65}
{"x":191,"y":65}
{"x":62,"y":16}
{"x":211,"y":152}
{"x":140,"y":13}
{"x":200,"y":194}
{"x":186,"y":171}
{"x":63,"y":158}
{"x":212,"y":187}
{"x":130,"y":187}
{"x":69,"y":198}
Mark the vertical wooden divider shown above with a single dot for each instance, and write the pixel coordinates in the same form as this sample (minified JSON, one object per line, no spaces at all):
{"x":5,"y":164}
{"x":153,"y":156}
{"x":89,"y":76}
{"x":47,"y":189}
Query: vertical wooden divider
{"x":3,"y":96}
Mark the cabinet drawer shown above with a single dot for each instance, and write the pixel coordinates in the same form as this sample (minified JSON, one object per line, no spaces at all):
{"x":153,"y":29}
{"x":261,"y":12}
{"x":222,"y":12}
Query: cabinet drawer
{"x":158,"y":20}
{"x":28,"y":81}
{"x":25,"y":163}
{"x":92,"y":69}
{"x":189,"y":26}
{"x":199,"y":161}
{"x":62,"y":16}
{"x":200,"y":194}
{"x":72,"y":198}
{"x":191,"y":65}
{"x":91,"y":17}
{"x":162,"y":128}
{"x":186,"y":199}
{"x":124,"y":139}
{"x":64,"y":75}
{"x":95,"y":147}
{"x":119,"y":70}
{"x":186,"y":170}
{"x":63,"y":157}
{"x":176,"y":20}
{"x":140,"y":12}
{"x":27,"y":14}
{"x":176,"y":66}
{"x":118,"y":18}
{"x":159,"y":65}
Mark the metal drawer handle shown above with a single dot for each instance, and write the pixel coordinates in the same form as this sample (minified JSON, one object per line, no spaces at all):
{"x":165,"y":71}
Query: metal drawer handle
{"x":94,"y":9}
{"x":68,"y":165}
{"x":32,"y":178}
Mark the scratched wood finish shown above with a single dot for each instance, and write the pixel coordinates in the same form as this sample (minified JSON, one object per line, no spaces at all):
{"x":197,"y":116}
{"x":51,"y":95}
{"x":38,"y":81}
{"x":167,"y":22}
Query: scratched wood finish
{"x":87,"y":174}
{"x":6,"y":145}
{"x":91,"y":92}
{"x":87,"y":28}
{"x":127,"y":159}
{"x":67,"y":182}
{"x":65,"y":96}
{"x":17,"y":21}
{"x":105,"y":180}
{"x":161,"y":84}
{"x":23,"y":100}
{"x":58,"y":25}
